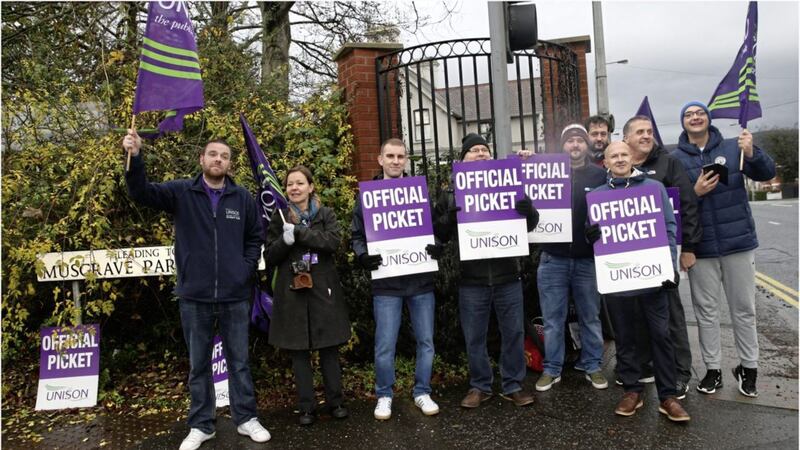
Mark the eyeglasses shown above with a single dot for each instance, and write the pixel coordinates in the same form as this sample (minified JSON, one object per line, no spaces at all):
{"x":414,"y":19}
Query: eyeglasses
{"x":698,"y":113}
{"x":479,"y":149}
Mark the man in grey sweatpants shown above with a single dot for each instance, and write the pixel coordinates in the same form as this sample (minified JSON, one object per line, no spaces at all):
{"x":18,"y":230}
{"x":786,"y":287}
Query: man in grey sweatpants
{"x":725,"y":256}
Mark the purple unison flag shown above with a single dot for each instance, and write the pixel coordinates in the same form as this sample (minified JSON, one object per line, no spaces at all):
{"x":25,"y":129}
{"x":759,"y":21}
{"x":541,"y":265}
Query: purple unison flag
{"x":395,"y":208}
{"x":644,"y":110}
{"x":69,"y":352}
{"x":270,"y":195}
{"x":487,"y":191}
{"x":736,"y":96}
{"x":169,"y":68}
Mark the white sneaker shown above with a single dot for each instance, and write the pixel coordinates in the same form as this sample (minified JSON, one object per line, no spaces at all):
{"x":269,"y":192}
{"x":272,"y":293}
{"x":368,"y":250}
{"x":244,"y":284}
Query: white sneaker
{"x":383,"y":410}
{"x":254,"y":429}
{"x":427,"y":405}
{"x":195,"y":439}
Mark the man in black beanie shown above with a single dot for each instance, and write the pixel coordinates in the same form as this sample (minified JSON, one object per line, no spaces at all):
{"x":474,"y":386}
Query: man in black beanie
{"x":486,"y":284}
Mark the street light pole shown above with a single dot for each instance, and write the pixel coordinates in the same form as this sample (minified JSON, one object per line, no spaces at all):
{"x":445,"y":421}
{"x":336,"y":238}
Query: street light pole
{"x":502,"y":116}
{"x":600,"y":60}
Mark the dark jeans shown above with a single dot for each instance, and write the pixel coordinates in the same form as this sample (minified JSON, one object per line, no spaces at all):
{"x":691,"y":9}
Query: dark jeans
{"x":233,"y":318}
{"x":655,"y":309}
{"x":304,"y":378}
{"x":475,"y":306}
{"x":677,"y":333}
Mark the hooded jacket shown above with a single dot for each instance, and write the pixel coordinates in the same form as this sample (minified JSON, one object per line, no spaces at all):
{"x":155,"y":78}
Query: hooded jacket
{"x":725,"y":214}
{"x":662,"y":167}
{"x":583,"y":179}
{"x":216,"y":253}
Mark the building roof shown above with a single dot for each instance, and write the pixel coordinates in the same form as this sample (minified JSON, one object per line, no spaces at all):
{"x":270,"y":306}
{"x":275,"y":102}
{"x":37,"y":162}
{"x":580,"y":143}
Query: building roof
{"x":470,"y":110}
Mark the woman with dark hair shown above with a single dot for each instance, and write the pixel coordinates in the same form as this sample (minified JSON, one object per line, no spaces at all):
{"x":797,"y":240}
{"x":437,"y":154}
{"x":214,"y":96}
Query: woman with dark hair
{"x":309,"y":312}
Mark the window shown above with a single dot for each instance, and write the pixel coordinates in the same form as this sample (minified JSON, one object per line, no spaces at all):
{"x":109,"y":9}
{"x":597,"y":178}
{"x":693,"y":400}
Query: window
{"x":422,"y":123}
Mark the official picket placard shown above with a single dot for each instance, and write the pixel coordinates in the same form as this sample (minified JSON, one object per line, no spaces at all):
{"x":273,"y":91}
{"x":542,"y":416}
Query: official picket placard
{"x":112,"y":263}
{"x":633,"y":250}
{"x":488,"y":225}
{"x":219,"y":373}
{"x":398,"y":225}
{"x":69,"y":367}
{"x":547,"y":182}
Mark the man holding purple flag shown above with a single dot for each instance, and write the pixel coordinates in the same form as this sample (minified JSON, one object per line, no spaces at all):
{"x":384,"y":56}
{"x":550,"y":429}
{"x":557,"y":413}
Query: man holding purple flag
{"x":653,"y":300}
{"x":389,"y":294}
{"x":217,"y":246}
{"x":169,"y":69}
{"x":648,"y":156}
{"x":725,"y":263}
{"x":486,"y":284}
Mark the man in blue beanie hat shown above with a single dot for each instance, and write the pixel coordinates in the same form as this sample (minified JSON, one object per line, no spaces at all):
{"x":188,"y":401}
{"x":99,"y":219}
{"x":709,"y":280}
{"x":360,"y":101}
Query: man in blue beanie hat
{"x":725,"y":256}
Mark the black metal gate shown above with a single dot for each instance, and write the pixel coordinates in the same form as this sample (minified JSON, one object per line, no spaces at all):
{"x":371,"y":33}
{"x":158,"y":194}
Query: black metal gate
{"x":432,"y":109}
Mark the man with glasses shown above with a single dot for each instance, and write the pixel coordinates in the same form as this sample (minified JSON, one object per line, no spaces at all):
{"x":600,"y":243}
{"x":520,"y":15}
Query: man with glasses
{"x":725,"y":256}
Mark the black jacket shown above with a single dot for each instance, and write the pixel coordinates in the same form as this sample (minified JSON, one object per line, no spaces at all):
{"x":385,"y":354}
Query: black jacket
{"x":310,"y":318}
{"x":480,"y":272}
{"x":216,"y":254}
{"x":660,"y":166}
{"x":583,"y":180}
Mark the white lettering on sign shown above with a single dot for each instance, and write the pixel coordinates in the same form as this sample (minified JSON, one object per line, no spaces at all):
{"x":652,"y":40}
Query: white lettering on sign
{"x":483,"y":179}
{"x":626,"y":207}
{"x":398,"y":196}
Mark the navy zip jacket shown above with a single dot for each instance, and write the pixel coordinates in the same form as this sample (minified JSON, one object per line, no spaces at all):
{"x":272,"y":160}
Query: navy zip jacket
{"x":725,"y":215}
{"x":216,"y":254}
{"x":583,"y":180}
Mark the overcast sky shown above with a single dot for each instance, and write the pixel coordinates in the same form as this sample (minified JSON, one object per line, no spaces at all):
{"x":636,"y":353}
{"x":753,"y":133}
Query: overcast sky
{"x":677,"y":51}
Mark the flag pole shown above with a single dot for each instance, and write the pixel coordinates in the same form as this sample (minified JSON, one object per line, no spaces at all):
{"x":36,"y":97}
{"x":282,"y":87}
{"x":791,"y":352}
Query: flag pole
{"x":133,"y":127}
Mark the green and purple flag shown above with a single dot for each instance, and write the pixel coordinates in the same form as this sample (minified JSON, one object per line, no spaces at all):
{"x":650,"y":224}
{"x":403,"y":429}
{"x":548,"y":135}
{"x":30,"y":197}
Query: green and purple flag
{"x":169,"y":69}
{"x":736,"y":96}
{"x":644,"y":110}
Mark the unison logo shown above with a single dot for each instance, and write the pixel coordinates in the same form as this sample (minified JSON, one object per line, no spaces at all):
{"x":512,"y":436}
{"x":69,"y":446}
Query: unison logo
{"x":549,"y":228}
{"x":631,"y":271}
{"x":397,"y":256}
{"x":488,"y":239}
{"x":65,"y":393}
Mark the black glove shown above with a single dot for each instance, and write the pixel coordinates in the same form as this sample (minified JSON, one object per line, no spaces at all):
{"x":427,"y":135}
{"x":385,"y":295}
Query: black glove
{"x":435,"y":250}
{"x":370,"y":262}
{"x":524,"y":207}
{"x":592,"y":233}
{"x":451,"y":213}
{"x":672,"y":284}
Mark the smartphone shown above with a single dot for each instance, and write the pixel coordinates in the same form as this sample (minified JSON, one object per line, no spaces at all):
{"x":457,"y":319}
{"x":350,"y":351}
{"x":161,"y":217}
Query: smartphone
{"x":717,"y":169}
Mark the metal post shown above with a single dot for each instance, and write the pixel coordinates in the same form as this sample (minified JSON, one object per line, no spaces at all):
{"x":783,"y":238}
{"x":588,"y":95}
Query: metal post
{"x":499,"y":72}
{"x":600,"y":60}
{"x":76,"y":296}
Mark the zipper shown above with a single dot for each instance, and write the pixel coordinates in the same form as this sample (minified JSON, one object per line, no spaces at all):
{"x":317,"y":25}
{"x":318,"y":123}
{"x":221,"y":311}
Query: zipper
{"x":216,"y":262}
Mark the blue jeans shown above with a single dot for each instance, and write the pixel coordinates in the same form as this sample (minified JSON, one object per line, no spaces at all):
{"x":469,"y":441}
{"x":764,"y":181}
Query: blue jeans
{"x":388,"y":311}
{"x":475,"y":306}
{"x":197,"y":320}
{"x":556,"y":276}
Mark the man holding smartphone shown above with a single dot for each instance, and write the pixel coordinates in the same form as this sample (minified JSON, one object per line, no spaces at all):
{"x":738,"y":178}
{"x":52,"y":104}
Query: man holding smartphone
{"x":725,"y":256}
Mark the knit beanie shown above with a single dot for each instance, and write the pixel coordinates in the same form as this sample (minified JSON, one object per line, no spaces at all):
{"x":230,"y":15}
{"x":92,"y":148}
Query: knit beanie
{"x":470,"y":141}
{"x":695,"y":103}
{"x":572,"y":130}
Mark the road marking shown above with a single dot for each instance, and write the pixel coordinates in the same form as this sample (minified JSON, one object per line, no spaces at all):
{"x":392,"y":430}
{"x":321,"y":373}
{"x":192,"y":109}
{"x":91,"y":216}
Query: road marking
{"x":778,"y":289}
{"x":773,"y":223}
{"x":782,"y":205}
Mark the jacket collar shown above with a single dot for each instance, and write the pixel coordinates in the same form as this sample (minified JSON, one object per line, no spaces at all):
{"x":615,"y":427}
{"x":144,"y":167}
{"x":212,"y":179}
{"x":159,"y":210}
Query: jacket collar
{"x":714,"y":139}
{"x":197,"y":184}
{"x":636,"y":177}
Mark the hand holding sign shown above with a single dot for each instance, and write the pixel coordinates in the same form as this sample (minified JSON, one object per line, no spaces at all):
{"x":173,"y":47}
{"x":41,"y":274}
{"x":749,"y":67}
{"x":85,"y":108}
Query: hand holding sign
{"x":370,"y":262}
{"x":592,"y":233}
{"x":435,"y":250}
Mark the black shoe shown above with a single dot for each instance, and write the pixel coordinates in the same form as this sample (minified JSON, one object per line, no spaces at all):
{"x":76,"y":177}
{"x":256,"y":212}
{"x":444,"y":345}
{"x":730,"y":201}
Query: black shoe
{"x":340,"y":412}
{"x":711,"y":382}
{"x":747,"y":380}
{"x":681,"y":388}
{"x":306,"y":419}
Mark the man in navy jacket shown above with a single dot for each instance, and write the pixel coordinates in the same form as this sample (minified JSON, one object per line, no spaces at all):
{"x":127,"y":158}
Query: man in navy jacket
{"x":217,"y":247}
{"x":725,"y":255}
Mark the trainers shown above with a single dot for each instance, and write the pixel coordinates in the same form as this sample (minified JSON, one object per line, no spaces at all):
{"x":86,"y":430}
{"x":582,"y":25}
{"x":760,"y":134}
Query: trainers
{"x":545,"y":382}
{"x":254,"y":429}
{"x":747,"y":380}
{"x":631,"y":401}
{"x":426,"y":404}
{"x":474,"y":398}
{"x":673,"y":410}
{"x":598,"y":380}
{"x":195,"y":439}
{"x":383,"y":410}
{"x":711,"y":382}
{"x":520,"y":398}
{"x":681,"y":388}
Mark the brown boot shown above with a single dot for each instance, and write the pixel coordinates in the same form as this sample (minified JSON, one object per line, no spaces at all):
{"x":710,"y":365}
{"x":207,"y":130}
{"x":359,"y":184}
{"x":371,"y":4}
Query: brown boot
{"x":674,"y":411}
{"x":520,"y":398}
{"x":631,"y":401}
{"x":474,"y":398}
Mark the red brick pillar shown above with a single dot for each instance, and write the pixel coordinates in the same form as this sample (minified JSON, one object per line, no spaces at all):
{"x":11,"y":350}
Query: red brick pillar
{"x":357,"y":78}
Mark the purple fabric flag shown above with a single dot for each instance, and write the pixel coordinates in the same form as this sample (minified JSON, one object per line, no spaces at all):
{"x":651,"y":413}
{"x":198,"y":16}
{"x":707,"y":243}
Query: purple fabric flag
{"x":736,"y":96}
{"x":169,"y":69}
{"x":644,"y":110}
